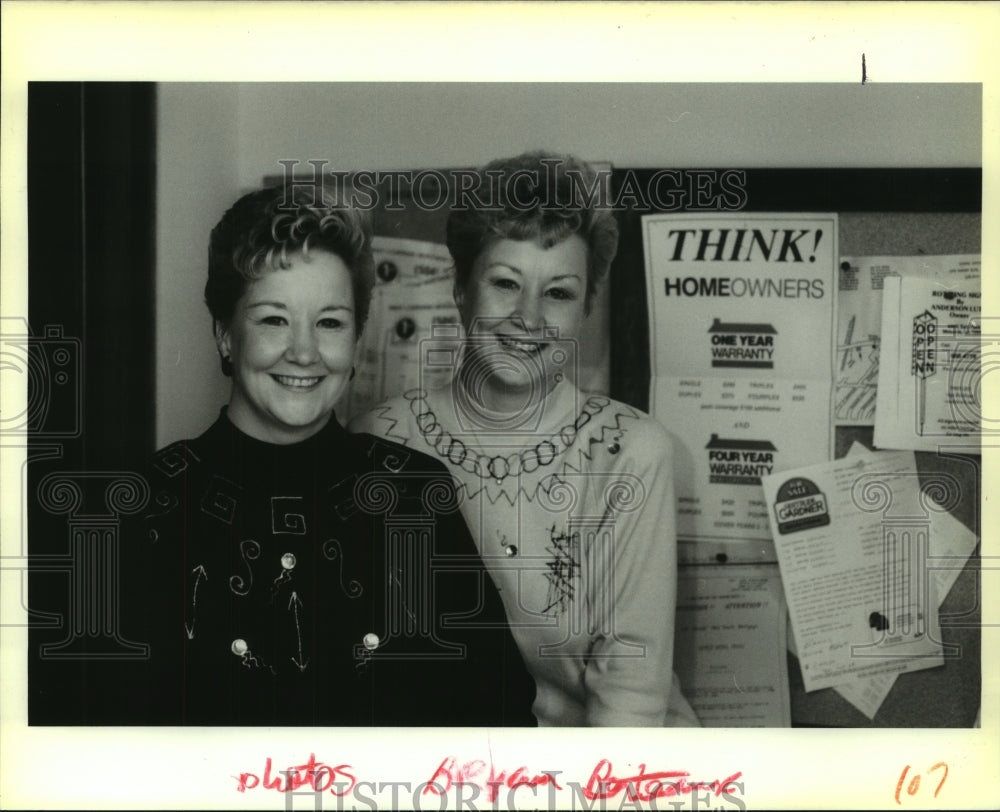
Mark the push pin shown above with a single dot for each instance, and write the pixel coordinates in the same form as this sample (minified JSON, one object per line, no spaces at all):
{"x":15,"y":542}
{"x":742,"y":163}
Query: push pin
{"x":614,"y":448}
{"x":510,"y":550}
{"x":371,"y":641}
{"x":239,"y":647}
{"x":288,"y":561}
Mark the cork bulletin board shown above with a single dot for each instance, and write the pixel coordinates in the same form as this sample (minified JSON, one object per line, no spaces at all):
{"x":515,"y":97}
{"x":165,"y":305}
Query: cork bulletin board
{"x":883,"y":212}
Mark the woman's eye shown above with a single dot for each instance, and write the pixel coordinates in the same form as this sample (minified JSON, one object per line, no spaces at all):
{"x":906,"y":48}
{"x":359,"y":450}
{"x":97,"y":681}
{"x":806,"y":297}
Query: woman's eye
{"x":273,"y":321}
{"x":505,"y":284}
{"x":331,"y":324}
{"x":561,"y":294}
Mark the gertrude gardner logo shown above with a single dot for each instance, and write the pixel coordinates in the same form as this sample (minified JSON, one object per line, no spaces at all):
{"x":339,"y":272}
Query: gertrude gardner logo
{"x":750,"y":346}
{"x":739,"y":462}
{"x":800,"y":505}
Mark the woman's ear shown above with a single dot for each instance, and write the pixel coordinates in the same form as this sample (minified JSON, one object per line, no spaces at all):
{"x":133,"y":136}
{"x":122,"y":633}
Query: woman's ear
{"x":222,"y":339}
{"x":224,"y":345}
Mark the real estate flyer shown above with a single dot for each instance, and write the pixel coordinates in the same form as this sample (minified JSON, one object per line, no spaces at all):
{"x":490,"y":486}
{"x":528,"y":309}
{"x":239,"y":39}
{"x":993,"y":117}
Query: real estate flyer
{"x":743,"y":345}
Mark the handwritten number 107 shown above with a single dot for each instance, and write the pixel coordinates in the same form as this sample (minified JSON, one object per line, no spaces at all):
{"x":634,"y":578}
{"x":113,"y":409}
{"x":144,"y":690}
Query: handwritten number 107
{"x":914,"y":785}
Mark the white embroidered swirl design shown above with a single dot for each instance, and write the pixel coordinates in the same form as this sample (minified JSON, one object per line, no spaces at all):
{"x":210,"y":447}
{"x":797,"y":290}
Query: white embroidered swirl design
{"x":333,"y":552}
{"x":250,"y":551}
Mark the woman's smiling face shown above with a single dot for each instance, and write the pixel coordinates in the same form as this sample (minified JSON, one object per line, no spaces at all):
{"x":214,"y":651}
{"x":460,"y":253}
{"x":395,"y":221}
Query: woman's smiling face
{"x":292,"y":342}
{"x":522,"y":308}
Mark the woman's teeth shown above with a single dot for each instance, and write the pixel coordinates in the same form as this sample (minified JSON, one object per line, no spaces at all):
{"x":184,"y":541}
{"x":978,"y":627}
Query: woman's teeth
{"x":301,"y":383}
{"x":522,"y":346}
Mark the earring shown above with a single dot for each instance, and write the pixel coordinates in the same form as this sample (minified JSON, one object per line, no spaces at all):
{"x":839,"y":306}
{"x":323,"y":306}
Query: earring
{"x":227,"y":366}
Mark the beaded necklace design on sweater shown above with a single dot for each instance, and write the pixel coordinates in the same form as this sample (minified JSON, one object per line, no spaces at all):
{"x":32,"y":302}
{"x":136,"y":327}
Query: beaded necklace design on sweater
{"x":607,"y":432}
{"x":498,"y":467}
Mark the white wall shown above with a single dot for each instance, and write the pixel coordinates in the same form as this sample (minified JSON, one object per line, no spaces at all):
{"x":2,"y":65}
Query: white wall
{"x":420,"y":125}
{"x":197,"y":179}
{"x":219,"y":140}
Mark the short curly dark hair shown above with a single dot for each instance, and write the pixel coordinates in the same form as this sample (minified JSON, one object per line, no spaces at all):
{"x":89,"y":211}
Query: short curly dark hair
{"x":264,"y":227}
{"x":536,"y":195}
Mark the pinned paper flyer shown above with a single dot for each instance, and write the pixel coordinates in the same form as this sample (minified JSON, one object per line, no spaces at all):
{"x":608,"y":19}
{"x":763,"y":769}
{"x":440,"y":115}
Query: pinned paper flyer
{"x":853,"y":541}
{"x":929,"y":379}
{"x":859,"y":322}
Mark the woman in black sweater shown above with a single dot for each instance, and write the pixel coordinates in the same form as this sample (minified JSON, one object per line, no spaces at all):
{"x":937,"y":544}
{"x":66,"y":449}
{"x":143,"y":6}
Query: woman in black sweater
{"x":288,"y":572}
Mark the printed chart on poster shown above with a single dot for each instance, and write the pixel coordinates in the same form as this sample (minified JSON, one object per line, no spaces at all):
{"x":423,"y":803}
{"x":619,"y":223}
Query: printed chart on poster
{"x":743,"y":340}
{"x":412,"y":300}
{"x":859,"y":321}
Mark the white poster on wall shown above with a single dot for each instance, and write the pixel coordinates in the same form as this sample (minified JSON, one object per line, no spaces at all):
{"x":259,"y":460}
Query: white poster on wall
{"x":742,"y":345}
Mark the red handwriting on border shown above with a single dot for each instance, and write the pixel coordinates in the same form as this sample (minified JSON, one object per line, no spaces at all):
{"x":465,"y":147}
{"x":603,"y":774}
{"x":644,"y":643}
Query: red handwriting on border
{"x":313,"y":774}
{"x":645,"y":786}
{"x":914,"y":785}
{"x":450,"y":773}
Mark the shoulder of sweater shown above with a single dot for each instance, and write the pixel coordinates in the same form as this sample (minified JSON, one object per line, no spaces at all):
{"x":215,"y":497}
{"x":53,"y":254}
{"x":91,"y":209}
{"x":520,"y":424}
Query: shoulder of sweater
{"x":386,"y":453}
{"x":387,"y":419}
{"x":645,"y":437}
{"x":178,"y":456}
{"x":634,"y":420}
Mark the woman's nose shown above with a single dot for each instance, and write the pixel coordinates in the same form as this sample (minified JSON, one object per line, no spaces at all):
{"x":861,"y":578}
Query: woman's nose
{"x":303,"y":348}
{"x":529,"y":309}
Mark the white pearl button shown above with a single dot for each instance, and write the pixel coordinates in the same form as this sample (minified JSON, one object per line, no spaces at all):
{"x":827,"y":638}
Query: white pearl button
{"x":288,"y":561}
{"x":239,"y":647}
{"x":371,"y":641}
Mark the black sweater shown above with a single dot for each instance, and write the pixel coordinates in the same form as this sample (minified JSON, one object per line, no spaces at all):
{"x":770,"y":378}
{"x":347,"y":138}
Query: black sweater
{"x":328,"y":582}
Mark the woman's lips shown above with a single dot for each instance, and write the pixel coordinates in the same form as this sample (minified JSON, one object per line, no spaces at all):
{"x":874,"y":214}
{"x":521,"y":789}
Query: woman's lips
{"x":521,"y":345}
{"x":297,"y":382}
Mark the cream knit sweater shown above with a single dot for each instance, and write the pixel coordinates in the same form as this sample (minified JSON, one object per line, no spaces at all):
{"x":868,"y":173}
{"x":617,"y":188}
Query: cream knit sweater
{"x":573,"y":513}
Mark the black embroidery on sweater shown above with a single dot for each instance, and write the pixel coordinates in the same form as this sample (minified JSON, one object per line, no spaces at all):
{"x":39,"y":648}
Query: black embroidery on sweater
{"x":562,"y":569}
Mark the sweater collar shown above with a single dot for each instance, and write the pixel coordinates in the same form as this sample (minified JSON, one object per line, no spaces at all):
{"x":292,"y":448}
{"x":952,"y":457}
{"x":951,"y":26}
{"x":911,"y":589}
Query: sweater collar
{"x":559,"y":406}
{"x":332,"y":440}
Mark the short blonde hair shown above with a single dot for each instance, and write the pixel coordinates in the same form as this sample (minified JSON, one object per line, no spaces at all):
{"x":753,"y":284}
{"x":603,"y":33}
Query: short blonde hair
{"x":264,"y":227}
{"x":540,"y":196}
